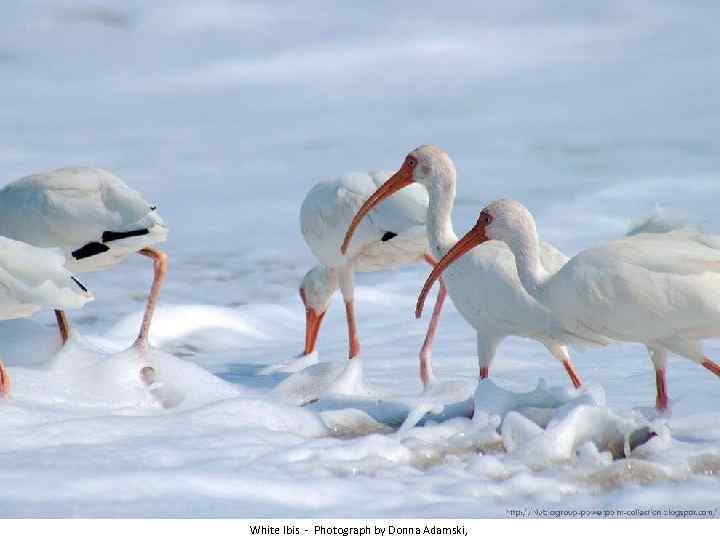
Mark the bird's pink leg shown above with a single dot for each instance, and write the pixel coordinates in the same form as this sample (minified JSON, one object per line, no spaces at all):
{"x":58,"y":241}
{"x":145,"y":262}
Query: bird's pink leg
{"x":352,"y":330}
{"x":661,"y":401}
{"x":712,"y":366}
{"x":63,"y":325}
{"x":160,"y":264}
{"x":484,"y":372}
{"x":4,"y":381}
{"x":561,"y":353}
{"x":426,"y":371}
{"x":572,"y":373}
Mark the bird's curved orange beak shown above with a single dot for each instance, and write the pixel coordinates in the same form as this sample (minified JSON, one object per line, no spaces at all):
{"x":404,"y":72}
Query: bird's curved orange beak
{"x":474,"y":237}
{"x":399,"y":180}
{"x":313,"y":321}
{"x":312,"y":329}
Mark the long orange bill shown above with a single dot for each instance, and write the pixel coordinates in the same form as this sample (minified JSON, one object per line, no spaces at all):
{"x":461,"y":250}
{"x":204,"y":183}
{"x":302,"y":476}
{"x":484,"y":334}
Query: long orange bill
{"x":312,"y":329}
{"x":395,"y":183}
{"x":473,"y":238}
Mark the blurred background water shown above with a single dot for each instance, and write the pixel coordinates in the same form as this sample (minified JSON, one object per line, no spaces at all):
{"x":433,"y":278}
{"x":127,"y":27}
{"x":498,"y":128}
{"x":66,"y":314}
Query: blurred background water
{"x":225,"y":113}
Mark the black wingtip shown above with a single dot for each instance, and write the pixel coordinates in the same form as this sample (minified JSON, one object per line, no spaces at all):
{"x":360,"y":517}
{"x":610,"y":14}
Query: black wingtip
{"x":109,"y":236}
{"x":88,"y":250}
{"x":153,"y":208}
{"x":83,"y":287}
{"x":388,"y":236}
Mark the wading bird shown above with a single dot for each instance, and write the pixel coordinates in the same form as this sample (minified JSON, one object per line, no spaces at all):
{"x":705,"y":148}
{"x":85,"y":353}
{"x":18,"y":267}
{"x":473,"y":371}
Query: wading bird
{"x":93,"y":217}
{"x":662,"y":290}
{"x":32,"y":279}
{"x":392,"y":236}
{"x":484,"y":286}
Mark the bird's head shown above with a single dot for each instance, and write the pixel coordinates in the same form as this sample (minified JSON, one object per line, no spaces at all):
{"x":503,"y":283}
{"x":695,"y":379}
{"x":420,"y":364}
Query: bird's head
{"x":427,"y":165}
{"x":316,"y":291}
{"x":504,"y":220}
{"x":431,"y":166}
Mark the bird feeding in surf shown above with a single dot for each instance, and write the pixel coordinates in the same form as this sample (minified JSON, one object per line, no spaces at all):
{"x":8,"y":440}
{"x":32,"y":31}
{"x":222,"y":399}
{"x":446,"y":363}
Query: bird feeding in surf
{"x":484,"y":286}
{"x":393,"y":236}
{"x":661,"y":290}
{"x":94,"y":218}
{"x":32,"y":279}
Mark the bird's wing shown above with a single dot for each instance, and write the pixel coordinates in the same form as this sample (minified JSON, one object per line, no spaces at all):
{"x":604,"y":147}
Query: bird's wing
{"x":679,"y":252}
{"x":70,"y":207}
{"x":658,"y":222}
{"x":640,"y":288}
{"x":37,"y":276}
{"x":329,"y":207}
{"x":580,"y":296}
{"x":404,"y":211}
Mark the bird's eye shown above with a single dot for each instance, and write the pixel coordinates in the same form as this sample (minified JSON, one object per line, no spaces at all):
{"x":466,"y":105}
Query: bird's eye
{"x":411,"y":161}
{"x":484,"y":219}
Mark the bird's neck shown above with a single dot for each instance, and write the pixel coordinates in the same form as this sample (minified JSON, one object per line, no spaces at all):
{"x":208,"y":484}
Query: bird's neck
{"x":441,"y":234}
{"x":525,"y":247}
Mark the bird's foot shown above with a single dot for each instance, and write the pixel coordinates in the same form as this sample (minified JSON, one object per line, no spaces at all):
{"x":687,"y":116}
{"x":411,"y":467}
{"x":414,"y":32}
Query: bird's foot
{"x":662,"y":405}
{"x":161,"y":393}
{"x":147,"y":373}
{"x":148,"y":376}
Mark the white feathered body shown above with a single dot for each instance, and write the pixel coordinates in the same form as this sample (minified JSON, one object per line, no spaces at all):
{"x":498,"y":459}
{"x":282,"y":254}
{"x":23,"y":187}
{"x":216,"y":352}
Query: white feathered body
{"x":34,"y":278}
{"x":72,"y":207}
{"x":486,"y":290}
{"x":328,"y":210}
{"x":657,"y":289}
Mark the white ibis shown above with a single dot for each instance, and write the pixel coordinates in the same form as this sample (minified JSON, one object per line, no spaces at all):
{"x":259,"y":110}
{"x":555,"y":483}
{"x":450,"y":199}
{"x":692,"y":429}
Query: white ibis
{"x":393,"y":235}
{"x":32,"y":279}
{"x":94,"y":217}
{"x":662,"y":290}
{"x":484,"y":286}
